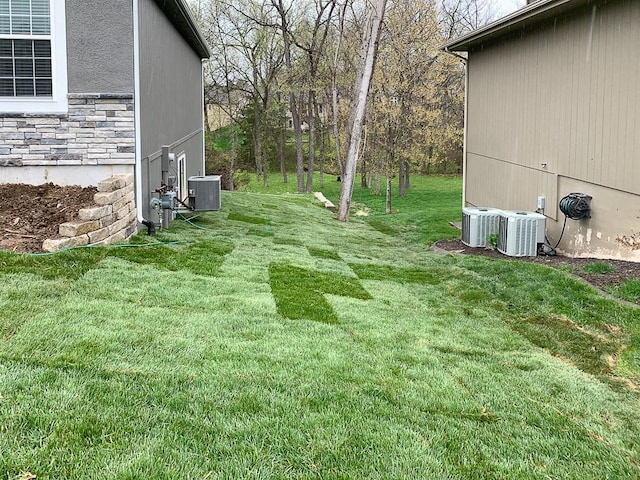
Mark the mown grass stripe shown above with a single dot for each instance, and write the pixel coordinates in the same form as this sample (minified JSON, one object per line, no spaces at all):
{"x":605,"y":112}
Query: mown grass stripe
{"x":299,"y":293}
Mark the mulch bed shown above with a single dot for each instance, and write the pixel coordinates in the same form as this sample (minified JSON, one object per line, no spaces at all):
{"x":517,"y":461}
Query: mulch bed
{"x":623,"y":270}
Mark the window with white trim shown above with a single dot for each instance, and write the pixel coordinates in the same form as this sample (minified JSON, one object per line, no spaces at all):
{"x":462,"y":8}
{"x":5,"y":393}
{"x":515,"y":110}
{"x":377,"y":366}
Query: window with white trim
{"x":32,"y":56}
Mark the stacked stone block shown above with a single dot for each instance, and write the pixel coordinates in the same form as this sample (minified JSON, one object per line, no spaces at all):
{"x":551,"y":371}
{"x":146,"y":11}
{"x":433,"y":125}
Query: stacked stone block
{"x":112,"y":219}
{"x":97,"y":130}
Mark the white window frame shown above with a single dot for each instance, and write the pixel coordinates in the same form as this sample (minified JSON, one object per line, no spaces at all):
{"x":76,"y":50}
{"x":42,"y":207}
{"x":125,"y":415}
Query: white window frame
{"x":58,"y":102}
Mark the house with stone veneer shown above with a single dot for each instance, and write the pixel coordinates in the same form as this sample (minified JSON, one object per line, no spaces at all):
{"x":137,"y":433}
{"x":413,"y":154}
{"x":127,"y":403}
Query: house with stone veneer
{"x":92,"y":90}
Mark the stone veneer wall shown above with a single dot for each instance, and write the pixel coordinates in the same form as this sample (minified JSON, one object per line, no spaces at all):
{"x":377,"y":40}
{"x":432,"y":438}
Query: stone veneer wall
{"x":111,"y":220}
{"x":97,"y":130}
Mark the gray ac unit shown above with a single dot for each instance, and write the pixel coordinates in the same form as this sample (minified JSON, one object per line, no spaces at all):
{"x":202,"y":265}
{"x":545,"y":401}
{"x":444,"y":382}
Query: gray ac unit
{"x":204,"y":193}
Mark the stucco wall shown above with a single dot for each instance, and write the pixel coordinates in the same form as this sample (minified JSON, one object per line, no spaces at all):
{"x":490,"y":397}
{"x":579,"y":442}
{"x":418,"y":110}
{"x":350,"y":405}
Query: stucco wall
{"x":100,"y":46}
{"x":553,"y":110}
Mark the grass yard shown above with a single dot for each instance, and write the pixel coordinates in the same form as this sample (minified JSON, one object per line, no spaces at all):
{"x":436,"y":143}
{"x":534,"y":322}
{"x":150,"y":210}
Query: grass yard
{"x":269,"y":341}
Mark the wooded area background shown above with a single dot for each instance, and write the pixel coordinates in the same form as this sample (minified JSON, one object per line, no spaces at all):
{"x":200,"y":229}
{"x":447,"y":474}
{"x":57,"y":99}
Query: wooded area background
{"x":284,"y":82}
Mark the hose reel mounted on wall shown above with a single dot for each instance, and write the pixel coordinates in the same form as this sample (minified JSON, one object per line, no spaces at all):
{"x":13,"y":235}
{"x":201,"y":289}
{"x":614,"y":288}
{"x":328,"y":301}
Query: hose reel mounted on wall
{"x":576,"y":206}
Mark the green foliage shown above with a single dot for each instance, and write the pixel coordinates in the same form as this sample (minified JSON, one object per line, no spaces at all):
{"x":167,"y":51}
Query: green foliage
{"x":219,"y":140}
{"x":202,"y":257}
{"x":629,"y":290}
{"x":599,"y":266}
{"x":591,"y":352}
{"x":422,"y":216}
{"x":181,"y":360}
{"x":382,"y":227}
{"x":299,"y":293}
{"x":432,"y":276}
{"x":71,"y":263}
{"x":323,"y":253}
{"x":492,"y":241}
{"x":238,"y":217}
{"x":287,"y":241}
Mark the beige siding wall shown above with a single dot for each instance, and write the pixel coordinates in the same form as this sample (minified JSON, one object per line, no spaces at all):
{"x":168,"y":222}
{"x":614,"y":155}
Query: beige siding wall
{"x":554,"y":110}
{"x":508,"y":185}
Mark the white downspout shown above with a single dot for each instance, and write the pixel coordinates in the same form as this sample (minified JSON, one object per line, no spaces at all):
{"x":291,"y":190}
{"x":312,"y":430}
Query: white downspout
{"x":136,"y":100}
{"x":204,"y":118}
{"x":464,"y":132}
{"x":465,"y":62}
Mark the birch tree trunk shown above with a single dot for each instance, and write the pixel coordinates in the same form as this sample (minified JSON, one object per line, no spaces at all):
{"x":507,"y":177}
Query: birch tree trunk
{"x":363,"y":81}
{"x":388,"y":202}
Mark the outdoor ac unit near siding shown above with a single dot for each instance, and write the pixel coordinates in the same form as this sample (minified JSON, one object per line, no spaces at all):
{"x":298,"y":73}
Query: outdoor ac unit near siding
{"x":478,"y":223}
{"x":204,"y":193}
{"x":520,"y":233}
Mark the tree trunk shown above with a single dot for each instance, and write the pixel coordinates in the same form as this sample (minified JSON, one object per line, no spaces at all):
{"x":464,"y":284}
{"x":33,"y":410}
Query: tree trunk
{"x":312,"y":139}
{"x":407,"y":175}
{"x":280,"y":146}
{"x":363,"y":82}
{"x":363,"y":173}
{"x":336,"y":132}
{"x":295,"y":115}
{"x":334,"y":91}
{"x":207,"y":126}
{"x":257,"y":138}
{"x":323,"y":145}
{"x":232,"y":161}
{"x":401,"y":178}
{"x":388,"y":202}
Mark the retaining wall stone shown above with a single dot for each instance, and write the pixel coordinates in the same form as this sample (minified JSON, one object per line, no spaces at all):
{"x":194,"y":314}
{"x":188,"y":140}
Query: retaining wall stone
{"x":112,"y":220}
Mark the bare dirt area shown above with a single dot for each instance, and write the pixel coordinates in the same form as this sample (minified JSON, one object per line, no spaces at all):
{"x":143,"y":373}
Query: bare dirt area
{"x":623,"y":270}
{"x":30,"y":214}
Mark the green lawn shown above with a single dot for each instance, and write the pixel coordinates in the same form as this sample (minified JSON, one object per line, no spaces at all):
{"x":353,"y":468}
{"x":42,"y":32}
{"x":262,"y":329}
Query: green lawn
{"x":268,"y":340}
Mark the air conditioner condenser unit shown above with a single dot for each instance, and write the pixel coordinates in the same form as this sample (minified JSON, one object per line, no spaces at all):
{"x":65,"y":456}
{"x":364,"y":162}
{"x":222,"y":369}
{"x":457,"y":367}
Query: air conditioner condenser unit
{"x":520,"y":233}
{"x":204,"y":193}
{"x":478,"y":223}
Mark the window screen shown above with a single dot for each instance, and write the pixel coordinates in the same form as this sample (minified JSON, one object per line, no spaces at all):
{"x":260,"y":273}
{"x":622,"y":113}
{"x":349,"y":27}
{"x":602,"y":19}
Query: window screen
{"x":25,"y":48}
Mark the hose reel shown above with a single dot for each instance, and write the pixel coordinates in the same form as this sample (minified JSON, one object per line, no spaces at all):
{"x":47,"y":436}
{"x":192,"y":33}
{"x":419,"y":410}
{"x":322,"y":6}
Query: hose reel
{"x":576,"y":206}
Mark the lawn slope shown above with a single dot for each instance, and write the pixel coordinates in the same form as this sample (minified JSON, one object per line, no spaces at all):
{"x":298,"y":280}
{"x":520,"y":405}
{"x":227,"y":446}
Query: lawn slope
{"x":268,"y":340}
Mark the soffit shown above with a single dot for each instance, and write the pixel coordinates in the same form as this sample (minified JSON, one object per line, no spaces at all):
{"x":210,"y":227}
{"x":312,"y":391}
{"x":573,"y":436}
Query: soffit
{"x":518,"y":21}
{"x":181,"y":17}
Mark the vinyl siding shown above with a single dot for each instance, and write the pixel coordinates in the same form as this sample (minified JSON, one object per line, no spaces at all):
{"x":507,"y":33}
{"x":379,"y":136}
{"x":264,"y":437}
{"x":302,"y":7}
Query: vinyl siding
{"x":558,"y":102}
{"x":170,"y":98}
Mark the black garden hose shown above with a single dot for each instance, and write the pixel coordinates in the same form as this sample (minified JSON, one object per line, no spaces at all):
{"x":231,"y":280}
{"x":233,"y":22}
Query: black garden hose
{"x":576,"y":206}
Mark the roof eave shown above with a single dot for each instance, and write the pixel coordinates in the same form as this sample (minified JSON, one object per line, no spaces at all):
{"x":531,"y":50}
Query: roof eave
{"x":528,"y":15}
{"x":180,"y":15}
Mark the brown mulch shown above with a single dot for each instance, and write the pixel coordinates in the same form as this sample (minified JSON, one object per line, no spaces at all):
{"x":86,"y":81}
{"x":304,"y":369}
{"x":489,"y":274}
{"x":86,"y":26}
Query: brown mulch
{"x":31,"y":214}
{"x":623,"y":270}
